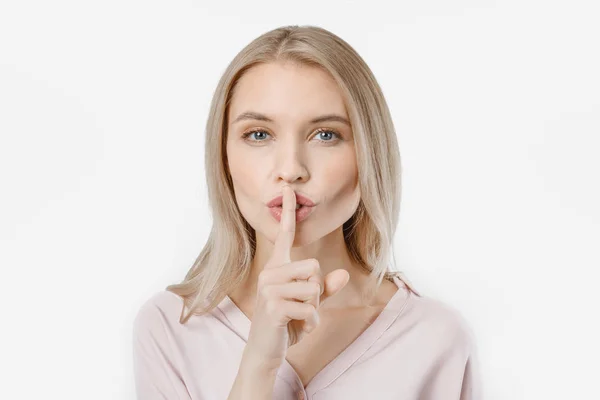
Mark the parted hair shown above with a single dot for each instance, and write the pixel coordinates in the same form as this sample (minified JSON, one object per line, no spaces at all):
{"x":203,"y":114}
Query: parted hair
{"x":225,"y":260}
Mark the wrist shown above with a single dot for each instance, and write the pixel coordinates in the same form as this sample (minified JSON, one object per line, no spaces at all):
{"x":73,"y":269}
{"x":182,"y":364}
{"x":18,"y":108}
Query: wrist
{"x":255,"y":364}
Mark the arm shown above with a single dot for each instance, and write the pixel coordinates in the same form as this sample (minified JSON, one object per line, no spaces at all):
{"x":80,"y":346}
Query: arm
{"x":156,"y":376}
{"x":254,"y":380}
{"x":472,"y":384}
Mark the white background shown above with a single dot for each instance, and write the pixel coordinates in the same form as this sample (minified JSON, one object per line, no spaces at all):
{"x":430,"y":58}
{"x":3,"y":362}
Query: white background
{"x":103,"y":194}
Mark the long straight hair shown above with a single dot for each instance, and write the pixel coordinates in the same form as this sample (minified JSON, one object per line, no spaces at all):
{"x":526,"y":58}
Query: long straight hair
{"x":225,"y":260}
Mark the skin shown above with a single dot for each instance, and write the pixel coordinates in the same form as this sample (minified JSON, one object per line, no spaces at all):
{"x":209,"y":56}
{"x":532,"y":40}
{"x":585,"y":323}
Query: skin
{"x":290,"y":151}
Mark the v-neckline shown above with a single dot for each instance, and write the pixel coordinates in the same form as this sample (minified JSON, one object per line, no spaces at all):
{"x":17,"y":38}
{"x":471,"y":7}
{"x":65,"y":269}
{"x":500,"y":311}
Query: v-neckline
{"x":346,"y":357}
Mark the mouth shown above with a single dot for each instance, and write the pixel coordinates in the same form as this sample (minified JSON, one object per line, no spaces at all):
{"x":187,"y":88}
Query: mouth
{"x":302,"y":212}
{"x":304,"y":207}
{"x":300,"y":201}
{"x":298,"y":206}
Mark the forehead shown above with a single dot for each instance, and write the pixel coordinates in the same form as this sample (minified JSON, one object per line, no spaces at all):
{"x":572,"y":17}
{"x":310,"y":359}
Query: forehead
{"x":287,"y":92}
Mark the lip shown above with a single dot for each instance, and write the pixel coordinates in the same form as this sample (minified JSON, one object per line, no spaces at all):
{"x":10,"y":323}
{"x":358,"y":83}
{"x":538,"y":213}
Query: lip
{"x":301,"y":214}
{"x":302,"y":200}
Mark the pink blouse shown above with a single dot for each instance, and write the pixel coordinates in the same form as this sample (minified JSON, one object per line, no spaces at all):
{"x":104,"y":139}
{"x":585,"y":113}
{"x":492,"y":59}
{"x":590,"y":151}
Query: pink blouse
{"x":418,"y":348}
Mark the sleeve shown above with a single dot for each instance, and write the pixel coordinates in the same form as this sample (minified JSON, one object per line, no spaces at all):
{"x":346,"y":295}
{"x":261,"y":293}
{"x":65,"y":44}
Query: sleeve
{"x":472,"y":383}
{"x":155,"y":372}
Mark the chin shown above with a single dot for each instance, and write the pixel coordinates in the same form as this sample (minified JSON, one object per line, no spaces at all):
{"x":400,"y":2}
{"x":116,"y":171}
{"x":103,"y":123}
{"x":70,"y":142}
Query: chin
{"x":304,"y":238}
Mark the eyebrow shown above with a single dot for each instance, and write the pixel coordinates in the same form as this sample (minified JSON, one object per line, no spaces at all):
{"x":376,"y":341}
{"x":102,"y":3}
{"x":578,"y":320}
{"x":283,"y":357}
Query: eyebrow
{"x":261,"y":117}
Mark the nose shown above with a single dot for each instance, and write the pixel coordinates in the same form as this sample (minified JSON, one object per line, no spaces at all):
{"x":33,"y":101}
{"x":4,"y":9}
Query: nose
{"x":290,"y":165}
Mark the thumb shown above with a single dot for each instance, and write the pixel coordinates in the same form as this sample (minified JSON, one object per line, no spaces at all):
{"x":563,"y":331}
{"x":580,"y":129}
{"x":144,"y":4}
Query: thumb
{"x":334,"y":282}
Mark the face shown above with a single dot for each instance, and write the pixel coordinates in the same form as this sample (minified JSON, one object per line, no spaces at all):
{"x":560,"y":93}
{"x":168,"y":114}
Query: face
{"x":317,"y":159}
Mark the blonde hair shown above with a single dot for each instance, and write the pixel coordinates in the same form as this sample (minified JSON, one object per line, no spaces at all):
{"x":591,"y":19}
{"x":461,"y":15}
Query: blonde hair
{"x":226,"y":257}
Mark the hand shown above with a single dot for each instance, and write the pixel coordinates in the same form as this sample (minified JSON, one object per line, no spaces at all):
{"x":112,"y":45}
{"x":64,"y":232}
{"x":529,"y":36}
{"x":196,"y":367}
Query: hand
{"x":288,"y":293}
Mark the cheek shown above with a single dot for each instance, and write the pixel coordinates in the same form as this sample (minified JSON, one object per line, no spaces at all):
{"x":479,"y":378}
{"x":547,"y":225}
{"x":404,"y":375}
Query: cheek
{"x":341,"y":171}
{"x":238,"y":168}
{"x":341,"y":183}
{"x":247,"y":176}
{"x":242,"y":165}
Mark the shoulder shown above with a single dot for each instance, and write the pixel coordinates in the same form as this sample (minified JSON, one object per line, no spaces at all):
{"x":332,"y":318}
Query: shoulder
{"x":158,"y":312}
{"x":441,"y":322}
{"x":435,"y":318}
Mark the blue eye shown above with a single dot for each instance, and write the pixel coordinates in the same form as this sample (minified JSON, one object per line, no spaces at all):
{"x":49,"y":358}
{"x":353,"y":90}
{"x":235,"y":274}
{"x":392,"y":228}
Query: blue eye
{"x":328,"y":132}
{"x":253,"y":132}
{"x":334,"y":136}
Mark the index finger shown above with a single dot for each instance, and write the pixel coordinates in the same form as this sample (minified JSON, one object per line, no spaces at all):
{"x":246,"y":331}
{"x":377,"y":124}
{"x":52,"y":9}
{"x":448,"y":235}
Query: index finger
{"x":287,"y":228}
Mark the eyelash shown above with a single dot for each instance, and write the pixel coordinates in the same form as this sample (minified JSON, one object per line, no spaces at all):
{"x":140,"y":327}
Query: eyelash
{"x":320,"y":130}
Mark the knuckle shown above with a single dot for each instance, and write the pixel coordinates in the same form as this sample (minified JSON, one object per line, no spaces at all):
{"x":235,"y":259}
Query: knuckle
{"x":316,"y":288}
{"x":315,"y":265}
{"x":309,"y":309}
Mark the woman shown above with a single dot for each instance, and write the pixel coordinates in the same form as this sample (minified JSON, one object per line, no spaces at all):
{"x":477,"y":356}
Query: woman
{"x":292,"y":296}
